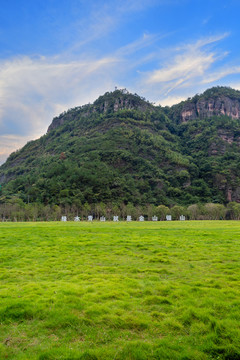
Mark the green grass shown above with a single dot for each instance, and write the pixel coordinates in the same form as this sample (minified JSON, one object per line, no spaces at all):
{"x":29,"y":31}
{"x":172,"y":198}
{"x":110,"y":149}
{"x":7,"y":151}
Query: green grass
{"x":139,"y":291}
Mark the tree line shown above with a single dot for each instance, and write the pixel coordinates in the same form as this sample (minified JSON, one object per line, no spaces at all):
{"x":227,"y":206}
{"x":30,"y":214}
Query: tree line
{"x":17,"y":210}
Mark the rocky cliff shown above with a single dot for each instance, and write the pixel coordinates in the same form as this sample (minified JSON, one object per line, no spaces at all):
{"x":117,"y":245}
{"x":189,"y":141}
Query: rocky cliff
{"x":108,"y":103}
{"x":205,"y":108}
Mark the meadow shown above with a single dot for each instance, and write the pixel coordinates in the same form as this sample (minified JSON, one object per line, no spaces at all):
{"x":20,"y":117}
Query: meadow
{"x":139,"y":291}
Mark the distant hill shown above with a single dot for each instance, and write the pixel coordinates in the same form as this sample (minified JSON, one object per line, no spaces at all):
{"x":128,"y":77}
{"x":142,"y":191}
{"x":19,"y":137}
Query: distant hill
{"x":123,"y":149}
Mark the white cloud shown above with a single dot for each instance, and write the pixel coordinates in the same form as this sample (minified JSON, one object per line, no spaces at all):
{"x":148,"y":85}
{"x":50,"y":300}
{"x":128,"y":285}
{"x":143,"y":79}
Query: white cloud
{"x":190,"y":67}
{"x":183,"y":67}
{"x":188,"y":62}
{"x":144,"y":41}
{"x":171,"y":100}
{"x":221,"y":73}
{"x":33,"y":91}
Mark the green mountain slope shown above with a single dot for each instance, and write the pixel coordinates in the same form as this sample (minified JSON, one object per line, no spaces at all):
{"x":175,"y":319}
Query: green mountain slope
{"x":122,"y":149}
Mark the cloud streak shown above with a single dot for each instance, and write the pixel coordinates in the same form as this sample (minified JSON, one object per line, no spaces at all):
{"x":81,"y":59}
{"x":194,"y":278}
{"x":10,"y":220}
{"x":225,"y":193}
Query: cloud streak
{"x":188,"y":62}
{"x":47,"y":80}
{"x":191,"y":66}
{"x":105,"y":17}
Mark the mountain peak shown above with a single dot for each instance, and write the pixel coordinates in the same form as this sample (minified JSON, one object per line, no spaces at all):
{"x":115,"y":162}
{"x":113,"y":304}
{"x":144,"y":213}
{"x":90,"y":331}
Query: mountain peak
{"x":216,"y":101}
{"x":219,"y":91}
{"x":121,"y":99}
{"x":110,"y":102}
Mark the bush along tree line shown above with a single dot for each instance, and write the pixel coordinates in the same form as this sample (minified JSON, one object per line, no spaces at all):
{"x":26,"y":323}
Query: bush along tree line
{"x":17,"y":210}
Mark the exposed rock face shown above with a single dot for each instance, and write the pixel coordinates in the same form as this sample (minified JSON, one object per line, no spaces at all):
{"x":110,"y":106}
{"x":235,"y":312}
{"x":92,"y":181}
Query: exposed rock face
{"x":123,"y":103}
{"x":103,"y":107}
{"x":55,"y":123}
{"x":119,"y":104}
{"x":189,"y":112}
{"x":206,"y":108}
{"x":112,"y":102}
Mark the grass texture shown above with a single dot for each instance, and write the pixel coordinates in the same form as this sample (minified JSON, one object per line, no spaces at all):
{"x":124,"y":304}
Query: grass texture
{"x":138,"y":291}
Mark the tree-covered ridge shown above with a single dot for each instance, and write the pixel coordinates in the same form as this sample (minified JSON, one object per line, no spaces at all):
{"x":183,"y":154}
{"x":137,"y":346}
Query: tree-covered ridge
{"x":108,"y":103}
{"x":121,"y":149}
{"x":218,"y":91}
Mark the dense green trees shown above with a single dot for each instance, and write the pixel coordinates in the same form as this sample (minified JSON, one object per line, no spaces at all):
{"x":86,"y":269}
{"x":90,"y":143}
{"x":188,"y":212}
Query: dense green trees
{"x":17,"y":210}
{"x":124,"y":151}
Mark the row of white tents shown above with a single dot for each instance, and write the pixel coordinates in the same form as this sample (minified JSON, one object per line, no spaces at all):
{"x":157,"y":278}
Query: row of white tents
{"x":129,"y":218}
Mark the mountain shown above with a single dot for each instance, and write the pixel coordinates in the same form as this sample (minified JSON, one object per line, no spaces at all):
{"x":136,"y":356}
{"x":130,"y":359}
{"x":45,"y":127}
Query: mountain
{"x":215,"y":101}
{"x":123,"y":149}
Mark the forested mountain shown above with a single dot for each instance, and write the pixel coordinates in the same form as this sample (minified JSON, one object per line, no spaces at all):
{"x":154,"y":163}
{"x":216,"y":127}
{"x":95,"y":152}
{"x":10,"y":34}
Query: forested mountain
{"x":123,"y":149}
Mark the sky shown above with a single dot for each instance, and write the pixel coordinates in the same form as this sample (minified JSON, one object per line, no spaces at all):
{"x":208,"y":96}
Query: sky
{"x":58,"y":54}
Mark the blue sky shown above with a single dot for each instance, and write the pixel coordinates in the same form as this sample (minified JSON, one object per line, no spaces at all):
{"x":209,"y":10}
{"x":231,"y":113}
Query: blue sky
{"x":57,"y":54}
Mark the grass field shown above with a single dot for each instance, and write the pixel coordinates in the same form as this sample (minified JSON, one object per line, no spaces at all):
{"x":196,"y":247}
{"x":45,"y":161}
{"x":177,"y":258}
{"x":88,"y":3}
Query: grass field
{"x":166,"y":290}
